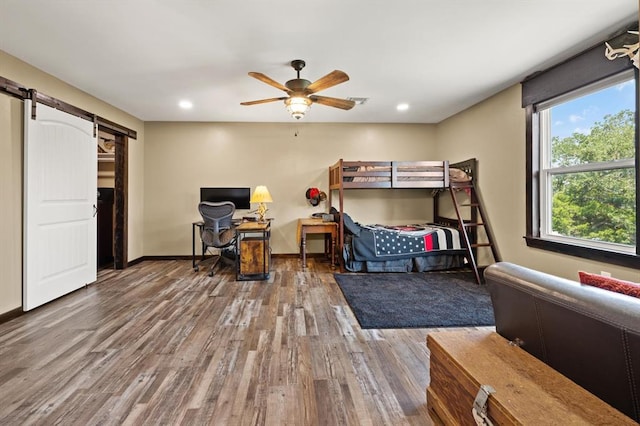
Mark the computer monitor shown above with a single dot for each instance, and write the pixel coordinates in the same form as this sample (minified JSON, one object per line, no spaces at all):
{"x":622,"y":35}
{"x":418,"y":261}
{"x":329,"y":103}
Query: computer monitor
{"x":238,"y":196}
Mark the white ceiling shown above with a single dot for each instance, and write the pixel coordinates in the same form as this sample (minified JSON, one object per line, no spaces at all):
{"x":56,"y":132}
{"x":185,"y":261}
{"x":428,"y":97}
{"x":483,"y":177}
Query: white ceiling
{"x":439,"y":56}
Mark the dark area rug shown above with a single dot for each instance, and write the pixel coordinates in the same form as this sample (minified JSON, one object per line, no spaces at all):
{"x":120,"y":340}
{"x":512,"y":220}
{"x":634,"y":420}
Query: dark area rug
{"x":417,"y":300}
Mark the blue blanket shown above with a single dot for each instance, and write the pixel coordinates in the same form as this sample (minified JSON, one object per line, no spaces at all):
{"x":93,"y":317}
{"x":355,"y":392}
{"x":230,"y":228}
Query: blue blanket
{"x":380,"y":242}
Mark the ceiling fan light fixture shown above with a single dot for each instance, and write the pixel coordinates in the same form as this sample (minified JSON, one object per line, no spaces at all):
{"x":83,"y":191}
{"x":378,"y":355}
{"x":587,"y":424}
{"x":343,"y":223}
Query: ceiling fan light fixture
{"x":302,"y":93}
{"x":298,"y":106}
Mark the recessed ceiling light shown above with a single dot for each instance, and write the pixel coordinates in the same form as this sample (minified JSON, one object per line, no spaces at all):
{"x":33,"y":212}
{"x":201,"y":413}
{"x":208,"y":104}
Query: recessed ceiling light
{"x":402,"y":107}
{"x":185,"y":104}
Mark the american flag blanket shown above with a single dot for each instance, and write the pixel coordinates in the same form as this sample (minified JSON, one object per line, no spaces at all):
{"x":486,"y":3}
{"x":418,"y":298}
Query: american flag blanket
{"x":378,"y":242}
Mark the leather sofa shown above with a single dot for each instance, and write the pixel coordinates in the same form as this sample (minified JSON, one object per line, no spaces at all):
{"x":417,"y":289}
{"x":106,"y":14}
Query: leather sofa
{"x":590,"y":335}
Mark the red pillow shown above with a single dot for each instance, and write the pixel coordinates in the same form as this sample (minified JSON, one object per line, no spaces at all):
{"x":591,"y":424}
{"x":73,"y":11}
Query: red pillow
{"x":611,"y":284}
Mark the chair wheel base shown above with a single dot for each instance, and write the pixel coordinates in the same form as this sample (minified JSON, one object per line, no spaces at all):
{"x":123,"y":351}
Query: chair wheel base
{"x":211,"y":273}
{"x":196,"y":269}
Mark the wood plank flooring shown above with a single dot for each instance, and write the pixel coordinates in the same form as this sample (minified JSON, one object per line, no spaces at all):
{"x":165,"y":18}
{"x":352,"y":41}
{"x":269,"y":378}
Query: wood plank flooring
{"x":159,"y":343}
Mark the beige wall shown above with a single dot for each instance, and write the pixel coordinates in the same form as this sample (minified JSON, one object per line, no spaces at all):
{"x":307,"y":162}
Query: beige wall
{"x":182,"y":157}
{"x":493,"y":131}
{"x":170,"y":162}
{"x":11,"y":123}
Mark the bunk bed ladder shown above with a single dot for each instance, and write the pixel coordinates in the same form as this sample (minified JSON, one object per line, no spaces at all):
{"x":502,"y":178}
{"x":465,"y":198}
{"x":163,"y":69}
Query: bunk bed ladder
{"x":469,"y":227}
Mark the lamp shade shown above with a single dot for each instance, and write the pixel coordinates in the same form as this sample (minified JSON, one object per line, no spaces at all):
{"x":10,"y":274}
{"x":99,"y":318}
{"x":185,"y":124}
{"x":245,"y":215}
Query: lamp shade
{"x":297,"y":106}
{"x":261,"y":195}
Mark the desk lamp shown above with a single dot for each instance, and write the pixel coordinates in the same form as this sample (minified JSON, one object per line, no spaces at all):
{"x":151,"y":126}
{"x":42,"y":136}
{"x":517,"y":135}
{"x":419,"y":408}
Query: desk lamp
{"x":261,"y":196}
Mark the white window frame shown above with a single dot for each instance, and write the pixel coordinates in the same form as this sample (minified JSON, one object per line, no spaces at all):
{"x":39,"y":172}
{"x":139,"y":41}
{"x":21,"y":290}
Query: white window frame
{"x":547,"y":172}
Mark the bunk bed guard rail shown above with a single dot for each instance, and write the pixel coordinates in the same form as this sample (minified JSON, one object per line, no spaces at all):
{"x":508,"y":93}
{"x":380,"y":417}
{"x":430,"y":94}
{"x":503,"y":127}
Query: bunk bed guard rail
{"x":389,"y":174}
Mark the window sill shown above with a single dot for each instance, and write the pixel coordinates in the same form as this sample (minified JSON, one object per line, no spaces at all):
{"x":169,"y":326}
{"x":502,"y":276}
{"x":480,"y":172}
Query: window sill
{"x":615,"y":258}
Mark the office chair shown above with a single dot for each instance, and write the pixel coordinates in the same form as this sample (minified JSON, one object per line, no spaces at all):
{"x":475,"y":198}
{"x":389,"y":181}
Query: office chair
{"x":218,"y":231}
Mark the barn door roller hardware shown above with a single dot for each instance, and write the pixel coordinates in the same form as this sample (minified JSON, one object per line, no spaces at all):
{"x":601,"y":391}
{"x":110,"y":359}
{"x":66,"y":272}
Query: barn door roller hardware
{"x":21,"y":92}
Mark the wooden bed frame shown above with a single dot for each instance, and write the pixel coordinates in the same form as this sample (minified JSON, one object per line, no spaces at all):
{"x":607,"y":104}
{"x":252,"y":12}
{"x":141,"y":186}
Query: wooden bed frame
{"x":395,"y":174}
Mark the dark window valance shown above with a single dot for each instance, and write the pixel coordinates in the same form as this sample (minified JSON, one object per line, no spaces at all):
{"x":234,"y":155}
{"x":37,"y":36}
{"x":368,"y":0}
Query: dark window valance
{"x":581,"y":70}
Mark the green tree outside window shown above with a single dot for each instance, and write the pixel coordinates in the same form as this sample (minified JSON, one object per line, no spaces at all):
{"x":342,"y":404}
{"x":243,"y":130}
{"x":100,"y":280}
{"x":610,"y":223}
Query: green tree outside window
{"x":596,"y":205}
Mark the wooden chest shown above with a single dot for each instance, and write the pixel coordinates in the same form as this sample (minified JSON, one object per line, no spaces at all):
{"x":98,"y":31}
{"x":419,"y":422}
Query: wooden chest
{"x":527,"y":391}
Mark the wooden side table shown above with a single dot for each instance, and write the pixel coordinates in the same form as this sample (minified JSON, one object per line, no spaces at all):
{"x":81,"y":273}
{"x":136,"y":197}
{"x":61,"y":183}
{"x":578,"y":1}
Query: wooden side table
{"x":318,"y":226}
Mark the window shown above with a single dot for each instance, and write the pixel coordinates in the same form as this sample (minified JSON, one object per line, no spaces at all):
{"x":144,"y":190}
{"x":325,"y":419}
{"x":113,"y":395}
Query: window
{"x":587,"y":166}
{"x":582,"y":157}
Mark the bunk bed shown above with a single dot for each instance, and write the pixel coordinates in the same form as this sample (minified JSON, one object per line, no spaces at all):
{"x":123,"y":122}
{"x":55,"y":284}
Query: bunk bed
{"x":435,"y":246}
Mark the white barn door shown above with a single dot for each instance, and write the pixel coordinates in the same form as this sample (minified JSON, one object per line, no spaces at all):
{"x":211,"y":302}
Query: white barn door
{"x":60,"y":196}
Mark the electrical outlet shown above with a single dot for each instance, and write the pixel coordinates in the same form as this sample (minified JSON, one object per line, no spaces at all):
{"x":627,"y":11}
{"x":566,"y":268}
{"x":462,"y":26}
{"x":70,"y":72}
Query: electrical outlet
{"x":605,"y":273}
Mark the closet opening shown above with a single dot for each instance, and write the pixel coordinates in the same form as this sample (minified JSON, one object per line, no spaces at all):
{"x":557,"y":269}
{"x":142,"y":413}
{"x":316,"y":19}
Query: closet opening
{"x":112,"y":196}
{"x":106,"y":211}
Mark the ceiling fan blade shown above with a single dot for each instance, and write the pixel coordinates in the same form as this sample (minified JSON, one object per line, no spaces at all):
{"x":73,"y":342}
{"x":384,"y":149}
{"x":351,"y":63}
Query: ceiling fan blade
{"x":263,"y":101}
{"x":271,"y":82}
{"x":333,"y":102}
{"x":329,"y":80}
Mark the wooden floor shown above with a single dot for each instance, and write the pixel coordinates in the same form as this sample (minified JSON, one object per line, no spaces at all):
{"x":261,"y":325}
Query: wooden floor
{"x":158,"y":343}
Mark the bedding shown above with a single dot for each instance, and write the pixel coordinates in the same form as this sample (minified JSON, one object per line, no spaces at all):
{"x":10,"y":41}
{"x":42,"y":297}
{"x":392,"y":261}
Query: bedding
{"x":381,"y":242}
{"x":437,"y":260}
{"x":405,"y":173}
{"x":404,"y":248}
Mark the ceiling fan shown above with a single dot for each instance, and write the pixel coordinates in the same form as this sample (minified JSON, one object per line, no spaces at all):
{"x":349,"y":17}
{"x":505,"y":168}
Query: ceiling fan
{"x":302,"y":92}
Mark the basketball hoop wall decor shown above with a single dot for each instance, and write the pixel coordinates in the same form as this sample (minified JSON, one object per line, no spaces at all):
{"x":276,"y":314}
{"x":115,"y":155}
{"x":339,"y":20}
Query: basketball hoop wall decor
{"x":314,"y":196}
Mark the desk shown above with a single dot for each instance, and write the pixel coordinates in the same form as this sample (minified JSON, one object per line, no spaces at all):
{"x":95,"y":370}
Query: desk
{"x":318,"y":226}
